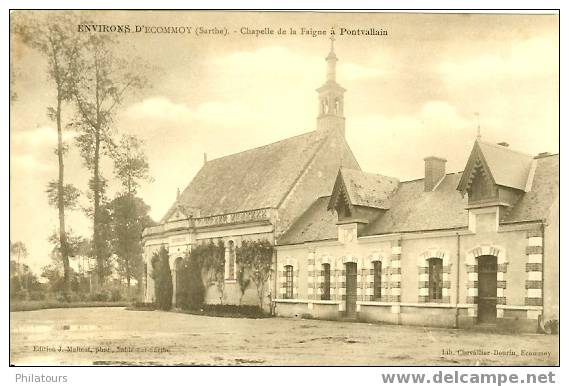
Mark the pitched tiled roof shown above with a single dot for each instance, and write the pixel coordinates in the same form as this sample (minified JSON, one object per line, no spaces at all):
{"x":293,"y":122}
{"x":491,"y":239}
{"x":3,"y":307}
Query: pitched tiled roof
{"x":508,"y":167}
{"x":253,"y":179}
{"x":368,"y":189}
{"x":410,"y":209}
{"x":413,"y":209}
{"x":535,"y":204}
{"x":317,"y":223}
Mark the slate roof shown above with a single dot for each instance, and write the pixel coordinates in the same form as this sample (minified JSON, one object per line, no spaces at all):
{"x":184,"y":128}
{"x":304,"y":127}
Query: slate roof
{"x":368,"y":189}
{"x":508,"y":167}
{"x":535,"y":204}
{"x":411,"y":209}
{"x":253,"y":179}
{"x":317,"y":223}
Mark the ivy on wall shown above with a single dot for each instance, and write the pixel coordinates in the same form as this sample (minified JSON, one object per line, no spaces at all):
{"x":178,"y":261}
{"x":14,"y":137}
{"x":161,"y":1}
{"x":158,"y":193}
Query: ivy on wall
{"x":255,"y":259}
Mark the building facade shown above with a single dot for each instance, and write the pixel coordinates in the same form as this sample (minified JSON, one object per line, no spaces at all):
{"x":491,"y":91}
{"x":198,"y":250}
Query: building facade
{"x":477,"y":247}
{"x":480,"y":247}
{"x":255,"y":194}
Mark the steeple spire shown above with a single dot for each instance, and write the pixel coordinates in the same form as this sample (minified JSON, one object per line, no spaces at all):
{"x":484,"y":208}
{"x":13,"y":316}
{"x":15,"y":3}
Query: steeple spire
{"x":331,"y":96}
{"x":331,"y":59}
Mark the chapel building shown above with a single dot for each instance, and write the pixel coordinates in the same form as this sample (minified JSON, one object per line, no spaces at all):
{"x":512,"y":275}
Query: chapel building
{"x":473,"y":248}
{"x":255,"y":194}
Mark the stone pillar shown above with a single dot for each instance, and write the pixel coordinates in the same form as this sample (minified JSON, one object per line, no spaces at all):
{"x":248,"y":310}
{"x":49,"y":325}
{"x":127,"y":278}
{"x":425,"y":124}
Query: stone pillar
{"x":534,"y":269}
{"x":395,"y":272}
{"x":313,"y":284}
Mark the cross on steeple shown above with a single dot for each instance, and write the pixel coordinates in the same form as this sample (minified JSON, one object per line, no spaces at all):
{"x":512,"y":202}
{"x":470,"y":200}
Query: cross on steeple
{"x":478,"y":134}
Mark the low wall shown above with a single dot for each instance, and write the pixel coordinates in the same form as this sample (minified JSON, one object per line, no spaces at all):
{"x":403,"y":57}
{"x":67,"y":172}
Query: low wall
{"x":429,"y":315}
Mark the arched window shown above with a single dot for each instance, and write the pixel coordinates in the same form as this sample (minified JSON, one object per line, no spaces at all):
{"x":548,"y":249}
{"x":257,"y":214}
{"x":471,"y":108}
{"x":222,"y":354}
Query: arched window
{"x":435,"y":279}
{"x":288,"y":282}
{"x":377,"y":280}
{"x":230,"y":260}
{"x":326,"y":282}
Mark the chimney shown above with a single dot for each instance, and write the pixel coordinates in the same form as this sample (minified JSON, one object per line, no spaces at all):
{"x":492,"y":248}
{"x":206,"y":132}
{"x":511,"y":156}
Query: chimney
{"x":505,"y":144}
{"x":434,"y":172}
{"x":204,"y":158}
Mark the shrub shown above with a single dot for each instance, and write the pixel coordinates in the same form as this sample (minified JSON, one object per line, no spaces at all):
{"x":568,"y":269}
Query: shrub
{"x":101,"y":296}
{"x":191,"y":294}
{"x":116,"y":295}
{"x":142,"y":306}
{"x":162,"y":279}
{"x":37,"y":295}
{"x":552,"y":326}
{"x":230,"y":310}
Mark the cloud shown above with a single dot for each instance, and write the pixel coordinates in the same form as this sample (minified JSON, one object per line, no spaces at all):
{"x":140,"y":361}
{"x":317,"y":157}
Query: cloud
{"x":41,"y":136}
{"x":28,"y":163}
{"x":533,"y":57}
{"x":287,"y":64}
{"x":435,"y":129}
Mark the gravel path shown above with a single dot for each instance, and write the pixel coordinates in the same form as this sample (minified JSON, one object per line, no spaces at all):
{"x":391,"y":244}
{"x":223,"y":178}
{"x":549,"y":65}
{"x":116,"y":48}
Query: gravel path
{"x":115,"y":336}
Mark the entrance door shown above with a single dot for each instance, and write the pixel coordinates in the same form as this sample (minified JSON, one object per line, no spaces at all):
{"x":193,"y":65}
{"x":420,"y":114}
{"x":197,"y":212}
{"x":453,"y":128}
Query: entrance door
{"x":351,"y":289}
{"x":487,"y":289}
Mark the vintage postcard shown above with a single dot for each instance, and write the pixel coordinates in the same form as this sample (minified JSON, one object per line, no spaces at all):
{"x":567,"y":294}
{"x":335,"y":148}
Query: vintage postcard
{"x":284,"y":188}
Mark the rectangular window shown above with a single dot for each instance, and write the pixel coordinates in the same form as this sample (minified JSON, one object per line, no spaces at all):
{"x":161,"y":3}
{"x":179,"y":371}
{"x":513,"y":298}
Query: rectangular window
{"x":435,"y":279}
{"x":288,"y":276}
{"x":326,"y":283}
{"x":377,"y":280}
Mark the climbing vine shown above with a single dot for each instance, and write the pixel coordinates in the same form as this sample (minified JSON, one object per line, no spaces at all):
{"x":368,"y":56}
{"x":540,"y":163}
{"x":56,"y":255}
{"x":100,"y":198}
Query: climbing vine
{"x":255,"y":258}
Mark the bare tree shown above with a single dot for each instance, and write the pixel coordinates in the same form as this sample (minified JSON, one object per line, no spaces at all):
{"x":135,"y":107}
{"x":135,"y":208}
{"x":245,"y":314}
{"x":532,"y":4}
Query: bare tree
{"x":54,"y":37}
{"x":99,"y":87}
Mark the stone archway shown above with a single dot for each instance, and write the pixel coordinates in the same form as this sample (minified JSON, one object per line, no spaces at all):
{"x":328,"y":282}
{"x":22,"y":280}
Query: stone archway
{"x":472,"y":284}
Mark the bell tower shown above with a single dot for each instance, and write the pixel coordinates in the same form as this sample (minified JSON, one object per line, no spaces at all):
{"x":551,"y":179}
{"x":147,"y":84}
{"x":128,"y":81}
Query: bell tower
{"x":331,"y":97}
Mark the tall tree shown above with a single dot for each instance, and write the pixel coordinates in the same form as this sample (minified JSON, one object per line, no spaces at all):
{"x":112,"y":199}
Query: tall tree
{"x":131,"y":163}
{"x":129,"y":216}
{"x":18,"y":251}
{"x":55,"y":38}
{"x":129,"y":213}
{"x":100,"y":87}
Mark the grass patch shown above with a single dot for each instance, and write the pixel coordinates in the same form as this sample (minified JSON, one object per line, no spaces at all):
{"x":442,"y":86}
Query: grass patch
{"x":140,"y":306}
{"x":228,"y":311}
{"x":215,"y":310}
{"x":31,"y":305}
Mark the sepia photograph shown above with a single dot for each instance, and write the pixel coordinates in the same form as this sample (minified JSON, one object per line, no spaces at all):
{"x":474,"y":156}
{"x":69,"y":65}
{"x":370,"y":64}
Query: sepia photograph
{"x":284,"y":188}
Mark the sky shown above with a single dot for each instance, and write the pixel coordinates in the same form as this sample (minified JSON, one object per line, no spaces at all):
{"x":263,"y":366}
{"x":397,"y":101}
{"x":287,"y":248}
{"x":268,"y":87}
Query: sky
{"x":411,"y":94}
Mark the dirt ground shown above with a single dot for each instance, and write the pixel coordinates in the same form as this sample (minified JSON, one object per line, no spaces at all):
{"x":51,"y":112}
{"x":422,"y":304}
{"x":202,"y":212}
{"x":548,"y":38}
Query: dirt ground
{"x":115,"y":336}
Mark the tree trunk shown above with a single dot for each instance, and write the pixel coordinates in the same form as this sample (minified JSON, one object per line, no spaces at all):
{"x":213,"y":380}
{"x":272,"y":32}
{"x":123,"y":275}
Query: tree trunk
{"x":64,"y":248}
{"x":96,"y":202}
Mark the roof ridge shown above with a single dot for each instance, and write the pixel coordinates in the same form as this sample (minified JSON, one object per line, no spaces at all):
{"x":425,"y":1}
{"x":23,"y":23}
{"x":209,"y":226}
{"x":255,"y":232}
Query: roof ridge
{"x":422,"y":178}
{"x":495,"y":145}
{"x":538,"y":157}
{"x":372,"y":173}
{"x":259,"y":147}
